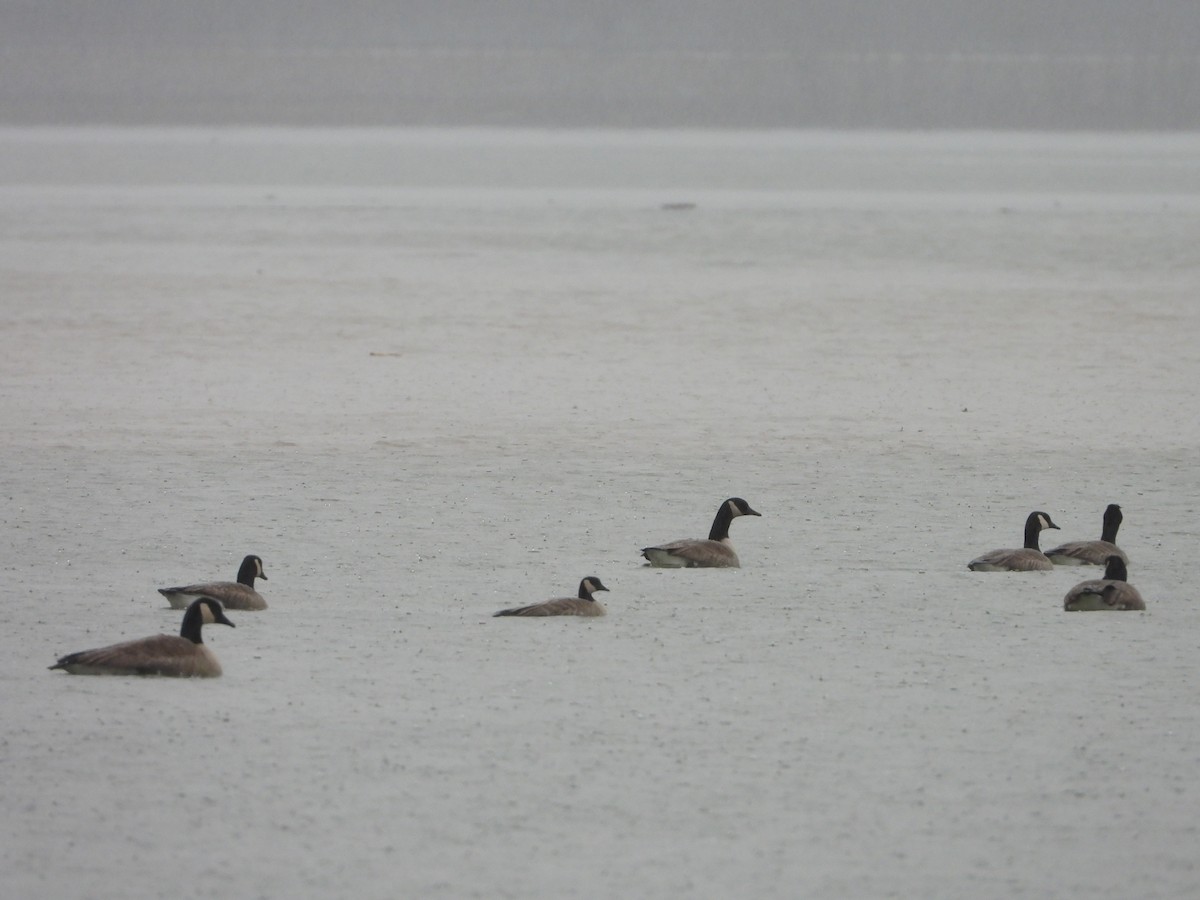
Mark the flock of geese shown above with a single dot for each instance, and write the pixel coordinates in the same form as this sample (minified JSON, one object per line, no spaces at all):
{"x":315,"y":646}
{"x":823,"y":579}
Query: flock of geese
{"x":1112,"y":592}
{"x":185,"y":655}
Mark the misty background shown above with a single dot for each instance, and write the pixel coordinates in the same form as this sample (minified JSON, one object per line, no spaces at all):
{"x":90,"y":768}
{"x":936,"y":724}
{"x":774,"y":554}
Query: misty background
{"x":1030,"y":64}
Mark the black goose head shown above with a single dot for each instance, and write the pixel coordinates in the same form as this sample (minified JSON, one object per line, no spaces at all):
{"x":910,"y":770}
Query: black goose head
{"x":728,"y":511}
{"x":1034,"y":525}
{"x":1114,"y":569}
{"x":251,"y":568}
{"x":739,"y":507}
{"x":589,"y":586}
{"x":205,"y":611}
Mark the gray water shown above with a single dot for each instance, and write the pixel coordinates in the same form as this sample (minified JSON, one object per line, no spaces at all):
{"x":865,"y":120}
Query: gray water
{"x":427,"y":375}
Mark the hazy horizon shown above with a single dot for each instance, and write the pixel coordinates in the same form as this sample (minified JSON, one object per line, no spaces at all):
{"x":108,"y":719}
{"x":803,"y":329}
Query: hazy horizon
{"x":1057,"y":64}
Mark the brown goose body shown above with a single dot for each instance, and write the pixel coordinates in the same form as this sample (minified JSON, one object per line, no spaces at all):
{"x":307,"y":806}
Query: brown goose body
{"x":238,"y":594}
{"x":1029,"y":558}
{"x":1092,"y":553}
{"x":714,"y":552}
{"x":176,"y":656}
{"x":1110,"y":593}
{"x":582,"y":605}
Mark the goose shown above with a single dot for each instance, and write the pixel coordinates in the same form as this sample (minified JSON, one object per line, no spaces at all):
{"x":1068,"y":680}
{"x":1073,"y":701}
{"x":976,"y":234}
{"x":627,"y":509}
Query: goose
{"x":716,"y":551}
{"x":1024,"y":559}
{"x":1093,"y":553}
{"x":1112,"y":592}
{"x":178,"y":656}
{"x":583,"y":605}
{"x":232,"y":595}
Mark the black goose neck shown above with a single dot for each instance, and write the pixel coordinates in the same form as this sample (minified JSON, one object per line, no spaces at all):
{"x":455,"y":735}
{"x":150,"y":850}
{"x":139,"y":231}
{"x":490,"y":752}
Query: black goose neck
{"x":248,"y":571}
{"x":720,"y":525}
{"x":1033,"y":529}
{"x":1112,"y":521}
{"x":193,"y":621}
{"x":1114,"y":570}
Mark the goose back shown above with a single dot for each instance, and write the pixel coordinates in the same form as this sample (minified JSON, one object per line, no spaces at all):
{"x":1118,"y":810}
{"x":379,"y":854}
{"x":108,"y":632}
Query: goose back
{"x":714,"y":552}
{"x":178,"y":656}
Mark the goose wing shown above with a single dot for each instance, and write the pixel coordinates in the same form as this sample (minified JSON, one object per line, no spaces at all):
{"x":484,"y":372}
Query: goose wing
{"x":1022,"y":559}
{"x":162,"y":654}
{"x":230,"y":594}
{"x":692,"y":553}
{"x":560,"y":606}
{"x":1086,"y":553}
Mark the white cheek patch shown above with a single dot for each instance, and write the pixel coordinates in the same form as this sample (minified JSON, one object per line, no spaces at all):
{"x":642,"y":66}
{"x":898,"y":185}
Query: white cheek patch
{"x":1043,"y":522}
{"x":258,"y":564}
{"x":733,"y":510}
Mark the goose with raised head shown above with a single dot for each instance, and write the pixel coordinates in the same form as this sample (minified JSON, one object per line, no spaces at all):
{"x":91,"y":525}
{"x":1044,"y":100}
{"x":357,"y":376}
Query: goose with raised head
{"x":714,"y":552}
{"x":1093,"y":553}
{"x":583,"y":605}
{"x":1023,"y":559}
{"x":232,"y":595}
{"x":1112,"y":592}
{"x":176,"y":656}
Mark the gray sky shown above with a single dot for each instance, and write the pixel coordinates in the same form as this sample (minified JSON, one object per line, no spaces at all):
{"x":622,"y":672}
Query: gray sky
{"x":758,"y":63}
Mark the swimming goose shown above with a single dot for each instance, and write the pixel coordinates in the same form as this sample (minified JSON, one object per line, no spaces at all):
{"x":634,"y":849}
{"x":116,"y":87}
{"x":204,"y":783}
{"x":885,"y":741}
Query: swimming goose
{"x":583,"y":605}
{"x":1093,"y":553}
{"x":178,"y":656}
{"x":1024,"y":559}
{"x":239,"y":595}
{"x":1112,"y":592}
{"x":717,"y":551}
